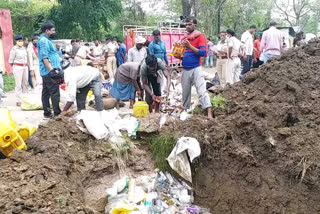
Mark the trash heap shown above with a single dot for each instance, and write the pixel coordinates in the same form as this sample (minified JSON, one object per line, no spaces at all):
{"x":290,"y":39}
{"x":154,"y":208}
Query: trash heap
{"x":161,"y":193}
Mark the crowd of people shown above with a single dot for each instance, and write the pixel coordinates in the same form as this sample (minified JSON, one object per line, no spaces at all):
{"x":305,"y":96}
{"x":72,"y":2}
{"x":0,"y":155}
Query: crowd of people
{"x":236,"y":57}
{"x":143,"y":73}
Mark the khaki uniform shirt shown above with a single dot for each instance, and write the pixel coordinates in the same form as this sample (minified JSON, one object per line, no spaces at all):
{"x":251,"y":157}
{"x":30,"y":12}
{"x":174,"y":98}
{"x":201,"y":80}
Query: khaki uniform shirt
{"x":32,"y":58}
{"x":236,"y":46}
{"x":111,"y":49}
{"x":222,"y":49}
{"x":18,"y":55}
{"x":83,"y":52}
{"x":97,"y":51}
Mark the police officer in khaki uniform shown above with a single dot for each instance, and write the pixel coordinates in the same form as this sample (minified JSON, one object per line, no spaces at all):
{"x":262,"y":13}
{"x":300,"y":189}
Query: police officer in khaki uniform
{"x":19,"y":60}
{"x":34,"y":62}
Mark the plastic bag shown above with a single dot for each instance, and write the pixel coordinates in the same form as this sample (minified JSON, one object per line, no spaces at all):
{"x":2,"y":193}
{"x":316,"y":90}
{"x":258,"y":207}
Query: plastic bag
{"x":93,"y":124}
{"x":178,"y":159}
{"x":118,"y":187}
{"x":31,"y":102}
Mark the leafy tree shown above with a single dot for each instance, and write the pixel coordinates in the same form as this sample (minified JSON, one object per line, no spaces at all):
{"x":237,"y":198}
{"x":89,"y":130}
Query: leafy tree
{"x":86,"y":19}
{"x":27,"y":16}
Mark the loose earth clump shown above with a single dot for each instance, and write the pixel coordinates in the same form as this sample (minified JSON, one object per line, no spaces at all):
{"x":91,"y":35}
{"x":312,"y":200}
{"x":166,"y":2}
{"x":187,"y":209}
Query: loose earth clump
{"x":261,"y":152}
{"x":64,"y":171}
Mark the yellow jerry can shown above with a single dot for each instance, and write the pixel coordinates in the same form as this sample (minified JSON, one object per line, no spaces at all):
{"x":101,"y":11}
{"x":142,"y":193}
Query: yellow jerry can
{"x":11,"y":135}
{"x":140,"y":109}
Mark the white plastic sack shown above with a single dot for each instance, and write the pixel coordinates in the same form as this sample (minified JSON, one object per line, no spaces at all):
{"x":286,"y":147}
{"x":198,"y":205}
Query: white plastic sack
{"x":31,"y":102}
{"x":93,"y":123}
{"x":178,"y":159}
{"x":107,"y":124}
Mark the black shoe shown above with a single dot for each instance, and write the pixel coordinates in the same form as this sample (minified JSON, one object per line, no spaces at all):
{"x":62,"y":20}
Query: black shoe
{"x":48,"y":116}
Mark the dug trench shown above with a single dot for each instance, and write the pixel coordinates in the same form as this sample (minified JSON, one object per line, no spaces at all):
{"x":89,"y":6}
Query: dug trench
{"x":260,"y":154}
{"x":66,"y":171}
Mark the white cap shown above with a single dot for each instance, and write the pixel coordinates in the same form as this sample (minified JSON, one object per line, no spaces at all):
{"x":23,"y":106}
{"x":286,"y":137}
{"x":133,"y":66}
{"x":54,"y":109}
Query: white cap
{"x":140,"y":40}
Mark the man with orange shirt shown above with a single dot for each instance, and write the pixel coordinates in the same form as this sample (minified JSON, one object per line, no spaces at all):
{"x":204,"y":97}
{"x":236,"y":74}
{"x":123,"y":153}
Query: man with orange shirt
{"x":195,"y":43}
{"x":256,"y":45}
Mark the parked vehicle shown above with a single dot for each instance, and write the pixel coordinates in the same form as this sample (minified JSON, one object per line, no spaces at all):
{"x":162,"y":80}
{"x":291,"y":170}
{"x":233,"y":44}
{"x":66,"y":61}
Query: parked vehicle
{"x":171,"y":32}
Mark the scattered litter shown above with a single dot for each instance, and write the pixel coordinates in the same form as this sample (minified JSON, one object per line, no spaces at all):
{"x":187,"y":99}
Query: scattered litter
{"x":107,"y":124}
{"x":166,"y":195}
{"x":178,"y":159}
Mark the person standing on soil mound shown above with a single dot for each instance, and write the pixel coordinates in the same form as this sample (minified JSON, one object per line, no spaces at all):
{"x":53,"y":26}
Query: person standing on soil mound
{"x":236,"y":50}
{"x":271,"y":42}
{"x":79,"y":81}
{"x":125,"y":83}
{"x":195,"y":43}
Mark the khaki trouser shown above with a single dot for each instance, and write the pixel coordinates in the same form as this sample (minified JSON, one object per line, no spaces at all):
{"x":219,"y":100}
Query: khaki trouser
{"x":111,"y":66}
{"x":233,"y":70}
{"x":221,"y":69}
{"x":37,"y":79}
{"x":21,"y":80}
{"x":77,"y":61}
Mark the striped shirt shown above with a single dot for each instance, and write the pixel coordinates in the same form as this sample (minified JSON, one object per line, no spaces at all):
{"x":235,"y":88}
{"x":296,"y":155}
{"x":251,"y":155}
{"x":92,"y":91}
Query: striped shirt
{"x":191,"y":60}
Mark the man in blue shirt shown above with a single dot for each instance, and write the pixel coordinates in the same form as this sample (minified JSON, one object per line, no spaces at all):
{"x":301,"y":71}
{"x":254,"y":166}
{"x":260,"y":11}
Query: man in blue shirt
{"x":157,"y":47}
{"x":49,"y":63}
{"x":121,"y":53}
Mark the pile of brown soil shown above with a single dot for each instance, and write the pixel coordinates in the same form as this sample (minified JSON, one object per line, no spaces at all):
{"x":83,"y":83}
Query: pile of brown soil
{"x":261,"y":153}
{"x":63,"y":171}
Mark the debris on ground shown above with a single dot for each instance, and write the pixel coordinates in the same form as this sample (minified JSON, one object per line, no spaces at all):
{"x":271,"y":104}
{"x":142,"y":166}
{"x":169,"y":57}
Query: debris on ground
{"x":178,"y":158}
{"x":160,"y":193}
{"x":261,"y":152}
{"x":107,"y":124}
{"x":66,"y":171}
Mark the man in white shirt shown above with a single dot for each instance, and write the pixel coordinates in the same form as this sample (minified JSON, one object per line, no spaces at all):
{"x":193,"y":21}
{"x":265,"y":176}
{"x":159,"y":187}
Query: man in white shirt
{"x":79,"y":81}
{"x":110,"y":55}
{"x":97,"y":50}
{"x":247,"y":40}
{"x":82,"y":54}
{"x":236,"y":50}
{"x":138,"y":54}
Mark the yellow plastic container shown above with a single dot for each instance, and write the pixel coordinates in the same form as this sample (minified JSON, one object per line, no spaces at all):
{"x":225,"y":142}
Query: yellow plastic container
{"x":10,"y":135}
{"x":26,"y":130}
{"x":140,"y":109}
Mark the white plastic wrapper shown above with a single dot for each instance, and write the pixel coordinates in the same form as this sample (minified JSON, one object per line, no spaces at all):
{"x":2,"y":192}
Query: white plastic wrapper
{"x":178,"y":159}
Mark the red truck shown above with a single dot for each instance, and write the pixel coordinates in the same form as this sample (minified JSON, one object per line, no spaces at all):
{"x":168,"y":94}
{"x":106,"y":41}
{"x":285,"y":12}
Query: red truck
{"x":171,"y":32}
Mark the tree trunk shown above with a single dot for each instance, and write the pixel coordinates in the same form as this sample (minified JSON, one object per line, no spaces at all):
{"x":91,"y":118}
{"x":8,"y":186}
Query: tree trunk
{"x":186,"y":7}
{"x":318,"y":34}
{"x":219,"y":16}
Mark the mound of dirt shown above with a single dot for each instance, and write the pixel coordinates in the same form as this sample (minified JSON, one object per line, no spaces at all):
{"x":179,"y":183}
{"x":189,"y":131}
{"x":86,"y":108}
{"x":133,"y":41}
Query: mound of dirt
{"x":63,"y":171}
{"x":261,"y":153}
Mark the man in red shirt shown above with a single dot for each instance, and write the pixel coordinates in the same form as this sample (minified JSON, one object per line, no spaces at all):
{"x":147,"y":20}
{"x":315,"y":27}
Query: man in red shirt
{"x":195,"y":43}
{"x":256,"y":45}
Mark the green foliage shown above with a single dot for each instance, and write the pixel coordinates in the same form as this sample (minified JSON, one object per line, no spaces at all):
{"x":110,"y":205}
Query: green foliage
{"x":309,"y":24}
{"x":27,"y":16}
{"x":85,"y":19}
{"x":8,"y":81}
{"x":161,"y":147}
{"x":218,"y":101}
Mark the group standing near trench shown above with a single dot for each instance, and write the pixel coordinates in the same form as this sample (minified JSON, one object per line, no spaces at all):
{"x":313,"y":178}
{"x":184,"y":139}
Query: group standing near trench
{"x":141,"y":74}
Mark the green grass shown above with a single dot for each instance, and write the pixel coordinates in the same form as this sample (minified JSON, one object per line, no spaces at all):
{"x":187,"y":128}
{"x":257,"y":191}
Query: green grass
{"x":218,"y":101}
{"x":161,"y":147}
{"x":8,"y":81}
